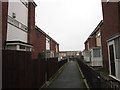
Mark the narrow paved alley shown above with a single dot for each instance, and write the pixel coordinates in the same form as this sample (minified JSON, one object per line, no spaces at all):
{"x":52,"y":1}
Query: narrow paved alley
{"x":70,"y":77}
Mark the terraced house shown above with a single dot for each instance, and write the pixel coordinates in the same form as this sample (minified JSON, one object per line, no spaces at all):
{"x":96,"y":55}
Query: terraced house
{"x":110,"y":37}
{"x":20,"y":32}
{"x":92,"y":53}
{"x":43,"y":45}
{"x":104,"y":41}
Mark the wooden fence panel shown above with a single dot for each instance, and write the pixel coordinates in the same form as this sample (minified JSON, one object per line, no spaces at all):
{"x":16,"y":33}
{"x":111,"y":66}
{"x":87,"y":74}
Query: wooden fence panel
{"x":15,"y":72}
{"x":20,"y":71}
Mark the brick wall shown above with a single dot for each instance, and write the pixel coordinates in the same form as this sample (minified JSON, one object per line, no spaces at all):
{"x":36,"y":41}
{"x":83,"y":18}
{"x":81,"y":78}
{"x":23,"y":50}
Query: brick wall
{"x":52,"y":45}
{"x":92,"y":41}
{"x":4,"y":22}
{"x":31,"y":21}
{"x":86,"y":45}
{"x":111,"y":18}
{"x":39,"y":43}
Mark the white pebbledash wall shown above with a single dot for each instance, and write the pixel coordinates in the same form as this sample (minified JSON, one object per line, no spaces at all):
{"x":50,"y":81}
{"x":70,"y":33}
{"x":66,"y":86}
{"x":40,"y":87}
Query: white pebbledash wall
{"x":21,"y":11}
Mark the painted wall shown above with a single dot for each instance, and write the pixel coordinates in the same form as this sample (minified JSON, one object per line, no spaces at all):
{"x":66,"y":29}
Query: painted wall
{"x":21,"y":13}
{"x":20,"y":10}
{"x":96,"y":61}
{"x":16,"y":34}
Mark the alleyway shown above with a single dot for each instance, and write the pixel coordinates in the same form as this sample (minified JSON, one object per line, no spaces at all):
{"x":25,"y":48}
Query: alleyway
{"x":70,"y":77}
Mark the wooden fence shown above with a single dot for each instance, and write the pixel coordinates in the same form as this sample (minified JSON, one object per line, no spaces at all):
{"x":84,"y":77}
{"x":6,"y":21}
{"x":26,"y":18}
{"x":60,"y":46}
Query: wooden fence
{"x":96,"y":80}
{"x":20,"y":71}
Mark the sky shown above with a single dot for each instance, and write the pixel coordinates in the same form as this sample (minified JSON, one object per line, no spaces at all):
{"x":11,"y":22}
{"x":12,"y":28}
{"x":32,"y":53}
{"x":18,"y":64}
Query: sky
{"x":68,"y":22}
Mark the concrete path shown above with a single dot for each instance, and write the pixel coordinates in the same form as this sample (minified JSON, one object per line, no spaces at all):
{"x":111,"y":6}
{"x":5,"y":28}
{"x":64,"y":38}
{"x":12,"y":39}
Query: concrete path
{"x":70,"y":77}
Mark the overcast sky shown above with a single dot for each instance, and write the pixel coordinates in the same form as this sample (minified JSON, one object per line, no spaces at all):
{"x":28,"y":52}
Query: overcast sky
{"x":69,"y":22}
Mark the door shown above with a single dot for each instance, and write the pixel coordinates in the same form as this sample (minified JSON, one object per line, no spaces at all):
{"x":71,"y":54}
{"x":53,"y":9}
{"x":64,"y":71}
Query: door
{"x":112,"y":59}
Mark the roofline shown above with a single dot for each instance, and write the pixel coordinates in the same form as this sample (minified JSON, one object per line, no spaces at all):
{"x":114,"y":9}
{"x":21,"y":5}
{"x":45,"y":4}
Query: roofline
{"x":95,"y":30}
{"x":37,"y":28}
{"x":98,"y":26}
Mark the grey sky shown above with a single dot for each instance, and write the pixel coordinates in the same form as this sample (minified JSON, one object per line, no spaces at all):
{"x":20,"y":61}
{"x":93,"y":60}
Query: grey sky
{"x":69,"y":22}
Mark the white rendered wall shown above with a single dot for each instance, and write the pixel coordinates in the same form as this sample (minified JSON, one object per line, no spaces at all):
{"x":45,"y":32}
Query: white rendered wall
{"x":118,"y":68}
{"x":21,"y":11}
{"x":86,"y":55}
{"x":15,"y":34}
{"x":96,"y":61}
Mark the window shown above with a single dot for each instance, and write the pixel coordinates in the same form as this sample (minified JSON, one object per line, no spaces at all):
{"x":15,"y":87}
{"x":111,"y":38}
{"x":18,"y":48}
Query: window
{"x":87,"y":54}
{"x":96,"y":53}
{"x":47,"y":44}
{"x":28,"y":49}
{"x":117,"y":48}
{"x":56,"y":48}
{"x":22,"y":47}
{"x":98,"y":34}
{"x":11,"y":47}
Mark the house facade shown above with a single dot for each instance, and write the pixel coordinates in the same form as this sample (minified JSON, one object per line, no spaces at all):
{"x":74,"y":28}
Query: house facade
{"x":19,"y":31}
{"x":110,"y":37}
{"x":43,"y":45}
{"x":92,"y":52}
{"x":69,"y":54}
{"x":16,"y":26}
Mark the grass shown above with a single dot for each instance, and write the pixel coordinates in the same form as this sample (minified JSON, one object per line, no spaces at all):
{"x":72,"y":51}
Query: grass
{"x":102,"y":71}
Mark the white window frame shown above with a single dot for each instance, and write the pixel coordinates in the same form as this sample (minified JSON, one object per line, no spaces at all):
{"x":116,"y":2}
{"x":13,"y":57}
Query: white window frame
{"x":112,"y":43}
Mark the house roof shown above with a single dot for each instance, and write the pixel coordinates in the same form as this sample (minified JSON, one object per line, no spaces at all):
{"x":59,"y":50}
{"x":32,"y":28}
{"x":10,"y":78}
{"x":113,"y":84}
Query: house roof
{"x":37,"y":28}
{"x":95,"y":30}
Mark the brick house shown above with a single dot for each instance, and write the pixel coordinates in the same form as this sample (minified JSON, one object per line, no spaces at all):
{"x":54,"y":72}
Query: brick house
{"x":92,"y":52}
{"x":43,"y":44}
{"x":16,"y":27}
{"x":69,"y":54}
{"x":110,"y":37}
{"x":19,"y":31}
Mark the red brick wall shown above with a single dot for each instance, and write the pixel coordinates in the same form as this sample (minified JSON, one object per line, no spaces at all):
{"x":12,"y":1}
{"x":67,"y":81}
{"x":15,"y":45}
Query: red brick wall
{"x":52,"y":45}
{"x":31,"y":29}
{"x":109,"y":28}
{"x":31,"y":21}
{"x":86,"y":45}
{"x":39,"y":43}
{"x":4,"y":22}
{"x":92,"y":41}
